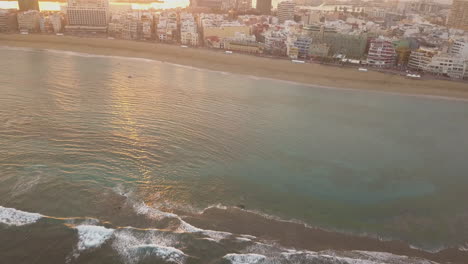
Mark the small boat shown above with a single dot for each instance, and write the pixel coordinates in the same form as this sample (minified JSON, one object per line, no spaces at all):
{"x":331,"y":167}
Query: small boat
{"x":298,"y":61}
{"x":228,"y":52}
{"x":362,"y":69}
{"x":413,"y":75}
{"x":183,"y":46}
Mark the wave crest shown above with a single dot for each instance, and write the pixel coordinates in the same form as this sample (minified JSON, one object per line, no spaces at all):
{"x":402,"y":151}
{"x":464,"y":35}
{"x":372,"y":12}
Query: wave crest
{"x":14,"y":217}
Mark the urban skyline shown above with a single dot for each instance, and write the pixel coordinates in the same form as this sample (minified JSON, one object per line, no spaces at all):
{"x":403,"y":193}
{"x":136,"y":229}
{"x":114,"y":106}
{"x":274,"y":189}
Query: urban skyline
{"x":336,"y":32}
{"x":234,"y":132}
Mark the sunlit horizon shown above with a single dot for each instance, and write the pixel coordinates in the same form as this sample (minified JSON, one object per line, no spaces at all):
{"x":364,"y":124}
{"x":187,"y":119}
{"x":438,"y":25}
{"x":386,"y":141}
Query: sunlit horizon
{"x":56,"y":6}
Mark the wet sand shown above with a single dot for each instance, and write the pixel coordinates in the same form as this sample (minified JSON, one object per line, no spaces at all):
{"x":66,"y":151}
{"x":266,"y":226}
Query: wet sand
{"x":296,"y":235}
{"x":314,"y":74}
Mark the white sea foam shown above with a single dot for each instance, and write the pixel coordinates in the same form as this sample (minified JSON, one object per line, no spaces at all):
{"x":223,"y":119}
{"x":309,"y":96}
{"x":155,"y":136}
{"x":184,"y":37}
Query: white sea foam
{"x":244,"y":258}
{"x":142,"y":208}
{"x":243,"y":239}
{"x":430,"y":250}
{"x":91,"y":236}
{"x":120,"y":190}
{"x":350,"y":257}
{"x":215,"y":235}
{"x":169,"y":254}
{"x":248,"y":236}
{"x":218,"y":206}
{"x":25,"y":184}
{"x":14,"y":217}
{"x":75,"y":221}
{"x":314,"y":257}
{"x":133,"y":245}
{"x":464,"y":247}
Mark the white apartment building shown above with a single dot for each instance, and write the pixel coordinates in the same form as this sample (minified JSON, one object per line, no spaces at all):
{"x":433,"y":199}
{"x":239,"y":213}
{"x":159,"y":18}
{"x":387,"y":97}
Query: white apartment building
{"x":450,"y":65}
{"x":131,"y":28}
{"x":419,"y":59}
{"x":91,"y":13}
{"x":115,"y":25}
{"x":45,"y":25}
{"x":147,"y":29}
{"x":188,"y":30}
{"x":459,"y":48}
{"x":56,"y":21}
{"x":189,"y":38}
{"x":275,"y":39}
{"x":166,"y":27}
{"x":286,"y":11}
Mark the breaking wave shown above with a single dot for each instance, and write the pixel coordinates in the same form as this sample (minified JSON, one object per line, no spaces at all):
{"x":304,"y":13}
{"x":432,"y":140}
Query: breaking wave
{"x":141,"y":208}
{"x":90,"y":236}
{"x":14,"y":217}
{"x":134,"y":245}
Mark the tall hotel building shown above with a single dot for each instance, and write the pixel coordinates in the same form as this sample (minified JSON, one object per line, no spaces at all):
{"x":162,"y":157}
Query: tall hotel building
{"x":458,"y":17}
{"x":286,"y":11}
{"x":264,"y":7}
{"x":25,"y":5}
{"x":87,"y":15}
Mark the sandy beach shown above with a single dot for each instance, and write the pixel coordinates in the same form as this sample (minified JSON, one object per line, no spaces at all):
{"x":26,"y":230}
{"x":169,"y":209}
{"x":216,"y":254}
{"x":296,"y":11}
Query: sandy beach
{"x":313,"y":74}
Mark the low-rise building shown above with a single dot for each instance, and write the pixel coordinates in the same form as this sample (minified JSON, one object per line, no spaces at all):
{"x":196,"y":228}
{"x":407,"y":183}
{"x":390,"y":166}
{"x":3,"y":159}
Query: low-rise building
{"x":275,"y":41}
{"x":449,"y":65}
{"x":225,"y":30}
{"x":347,"y":45}
{"x":247,"y":46}
{"x":292,"y":51}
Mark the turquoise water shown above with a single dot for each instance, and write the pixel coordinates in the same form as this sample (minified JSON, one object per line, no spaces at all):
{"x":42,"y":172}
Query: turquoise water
{"x":73,"y":129}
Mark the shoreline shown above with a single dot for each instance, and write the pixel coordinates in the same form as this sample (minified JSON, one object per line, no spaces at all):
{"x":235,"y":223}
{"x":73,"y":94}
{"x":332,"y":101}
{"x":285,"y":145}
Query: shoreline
{"x":299,"y":236}
{"x":321,"y":76}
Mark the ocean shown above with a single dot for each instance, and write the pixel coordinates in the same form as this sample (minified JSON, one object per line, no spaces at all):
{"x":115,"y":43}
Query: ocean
{"x":125,"y":160}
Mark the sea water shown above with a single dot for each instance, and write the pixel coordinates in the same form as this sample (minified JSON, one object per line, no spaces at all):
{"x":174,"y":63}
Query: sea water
{"x":98,"y":153}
